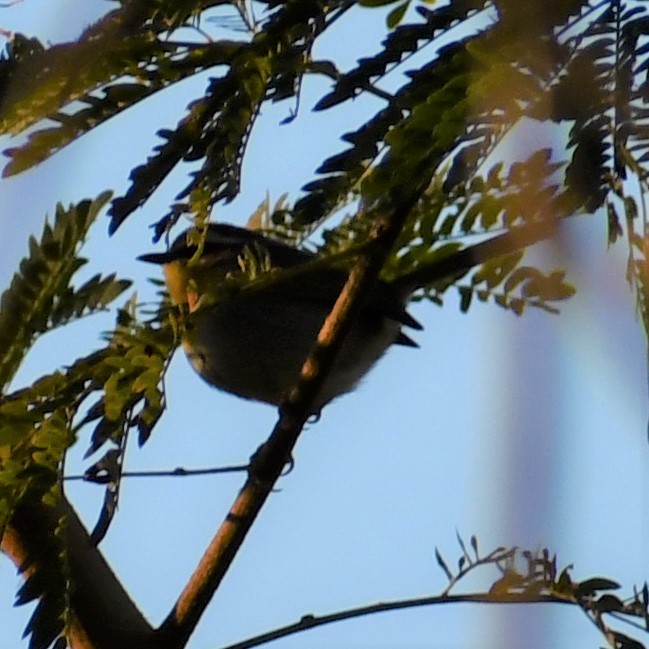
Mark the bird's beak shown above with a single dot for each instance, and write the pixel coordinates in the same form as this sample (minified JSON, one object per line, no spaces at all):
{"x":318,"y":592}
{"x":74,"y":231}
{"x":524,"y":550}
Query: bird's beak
{"x":159,"y":257}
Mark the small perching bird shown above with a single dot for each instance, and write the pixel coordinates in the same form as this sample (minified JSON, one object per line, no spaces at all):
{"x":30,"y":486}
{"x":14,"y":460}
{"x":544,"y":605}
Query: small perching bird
{"x":253,"y":342}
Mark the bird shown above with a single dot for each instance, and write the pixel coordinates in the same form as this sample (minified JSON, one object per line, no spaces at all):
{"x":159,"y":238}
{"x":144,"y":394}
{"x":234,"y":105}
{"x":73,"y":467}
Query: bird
{"x":252,"y":340}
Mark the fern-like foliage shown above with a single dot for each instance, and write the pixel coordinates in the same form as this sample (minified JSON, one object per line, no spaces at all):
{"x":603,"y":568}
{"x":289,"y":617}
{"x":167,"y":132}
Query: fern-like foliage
{"x":40,"y":296}
{"x":508,"y":201}
{"x":453,"y":110}
{"x":535,"y":576}
{"x":454,"y":81}
{"x":39,"y":423}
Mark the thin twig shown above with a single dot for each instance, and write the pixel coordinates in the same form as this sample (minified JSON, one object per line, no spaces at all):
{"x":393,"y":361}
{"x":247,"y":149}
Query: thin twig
{"x":501,"y":554}
{"x":336,"y":76}
{"x":166,"y":473}
{"x":312,"y":621}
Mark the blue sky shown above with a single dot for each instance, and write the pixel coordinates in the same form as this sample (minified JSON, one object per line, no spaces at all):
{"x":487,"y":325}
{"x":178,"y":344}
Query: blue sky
{"x":524,"y":431}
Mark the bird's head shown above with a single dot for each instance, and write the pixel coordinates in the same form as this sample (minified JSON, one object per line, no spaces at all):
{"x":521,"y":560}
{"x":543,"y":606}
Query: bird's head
{"x":198,"y":261}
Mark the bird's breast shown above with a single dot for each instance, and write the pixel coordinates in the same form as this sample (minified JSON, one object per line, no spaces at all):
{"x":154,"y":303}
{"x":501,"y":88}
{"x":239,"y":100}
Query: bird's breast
{"x":254,"y":346}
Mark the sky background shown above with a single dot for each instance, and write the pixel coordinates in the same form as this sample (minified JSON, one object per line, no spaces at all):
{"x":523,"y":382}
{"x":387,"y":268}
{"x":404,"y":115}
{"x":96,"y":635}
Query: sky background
{"x":524,"y":431}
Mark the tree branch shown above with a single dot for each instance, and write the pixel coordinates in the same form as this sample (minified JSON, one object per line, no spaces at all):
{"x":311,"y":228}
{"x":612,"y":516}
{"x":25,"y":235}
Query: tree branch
{"x":458,"y":263}
{"x":103,"y":616}
{"x":312,"y":621}
{"x":271,"y":457}
{"x":178,"y":472}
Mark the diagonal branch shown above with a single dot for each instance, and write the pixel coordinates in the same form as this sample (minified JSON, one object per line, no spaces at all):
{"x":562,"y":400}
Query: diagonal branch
{"x":271,"y":457}
{"x":458,"y":263}
{"x":102,"y":614}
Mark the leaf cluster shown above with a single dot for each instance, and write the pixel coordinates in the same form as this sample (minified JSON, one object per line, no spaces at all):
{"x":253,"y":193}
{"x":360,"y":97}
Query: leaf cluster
{"x":39,"y":423}
{"x":462,"y":77}
{"x":526,"y":576}
{"x":455,"y":107}
{"x":41,"y":296}
{"x":445,"y":120}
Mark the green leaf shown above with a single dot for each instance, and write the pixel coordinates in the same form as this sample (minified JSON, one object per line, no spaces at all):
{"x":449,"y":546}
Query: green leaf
{"x":146,"y":381}
{"x":466,"y":295}
{"x":623,"y":641}
{"x":397,"y":14}
{"x":614,"y":226}
{"x":442,"y":564}
{"x":27,"y":306}
{"x":608,"y":603}
{"x":474,"y":545}
{"x":376,"y":3}
{"x":590,"y":586}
